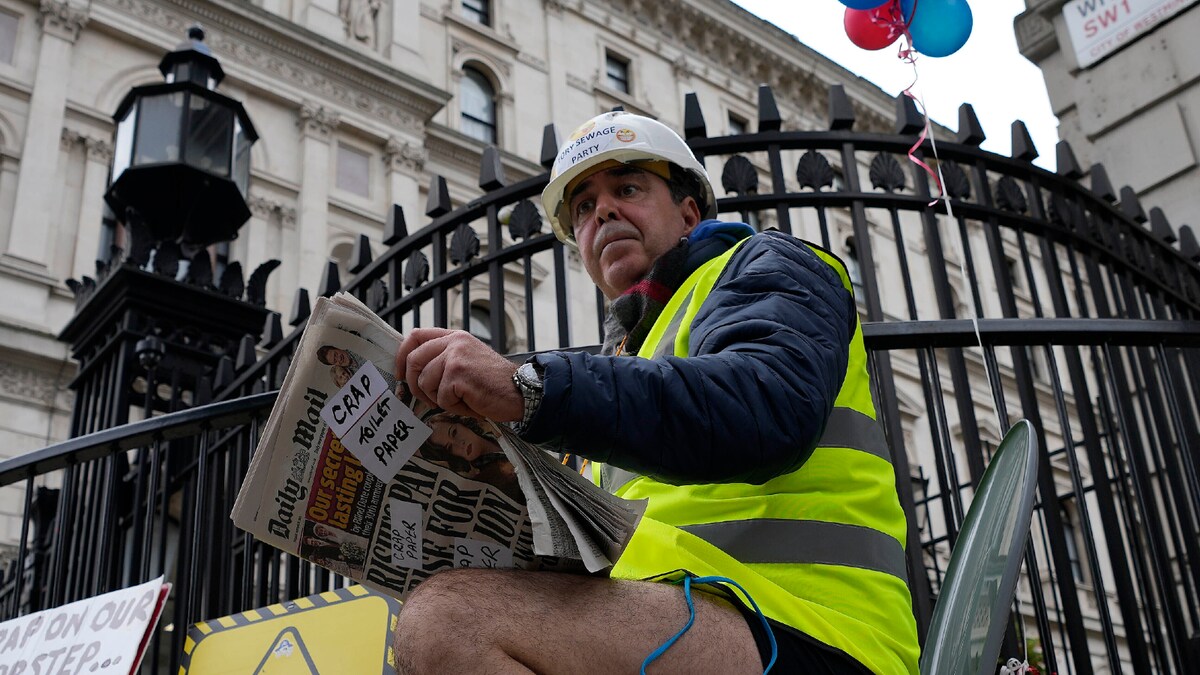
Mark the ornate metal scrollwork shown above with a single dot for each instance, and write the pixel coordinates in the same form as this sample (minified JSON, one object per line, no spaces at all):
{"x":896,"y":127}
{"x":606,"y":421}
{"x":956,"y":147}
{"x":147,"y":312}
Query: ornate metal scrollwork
{"x":377,"y":295}
{"x":1058,"y":212}
{"x":416,"y":270}
{"x":1009,"y":196}
{"x":256,"y":287}
{"x":886,"y":173}
{"x":957,"y":184}
{"x":739,"y":176}
{"x":464,"y":244}
{"x":525,"y":221}
{"x":813,"y":171}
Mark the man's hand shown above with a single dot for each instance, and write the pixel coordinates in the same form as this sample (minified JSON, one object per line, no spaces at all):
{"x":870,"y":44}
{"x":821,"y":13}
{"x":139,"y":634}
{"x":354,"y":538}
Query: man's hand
{"x":453,"y":370}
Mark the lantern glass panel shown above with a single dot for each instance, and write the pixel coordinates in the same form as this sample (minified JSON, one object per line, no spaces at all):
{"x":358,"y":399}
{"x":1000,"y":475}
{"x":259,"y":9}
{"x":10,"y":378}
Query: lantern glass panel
{"x":241,"y":157}
{"x":158,"y":128}
{"x":124,"y":150}
{"x":210,"y":136}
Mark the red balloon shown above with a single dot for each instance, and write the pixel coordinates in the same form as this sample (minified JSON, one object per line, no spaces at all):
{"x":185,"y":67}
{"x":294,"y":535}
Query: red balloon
{"x":874,"y":29}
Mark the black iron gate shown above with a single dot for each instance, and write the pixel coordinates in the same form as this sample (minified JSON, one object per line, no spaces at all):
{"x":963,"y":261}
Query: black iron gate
{"x":1037,"y":297}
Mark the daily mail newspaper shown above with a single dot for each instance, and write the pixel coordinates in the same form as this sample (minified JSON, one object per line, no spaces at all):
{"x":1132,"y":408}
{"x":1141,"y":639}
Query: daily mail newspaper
{"x":355,"y":476}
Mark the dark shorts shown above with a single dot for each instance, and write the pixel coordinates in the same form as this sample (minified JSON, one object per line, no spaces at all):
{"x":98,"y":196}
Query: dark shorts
{"x":798,"y":653}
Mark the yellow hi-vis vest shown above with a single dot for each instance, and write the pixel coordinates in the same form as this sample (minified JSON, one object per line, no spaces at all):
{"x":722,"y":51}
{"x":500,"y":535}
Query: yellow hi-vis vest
{"x":820,"y":549}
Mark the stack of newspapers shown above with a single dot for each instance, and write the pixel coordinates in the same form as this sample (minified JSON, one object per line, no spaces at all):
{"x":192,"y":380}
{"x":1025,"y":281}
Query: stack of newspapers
{"x":357,"y":476}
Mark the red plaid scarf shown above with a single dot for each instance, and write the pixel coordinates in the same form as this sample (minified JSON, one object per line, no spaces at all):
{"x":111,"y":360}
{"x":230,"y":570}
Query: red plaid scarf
{"x":634,"y":312}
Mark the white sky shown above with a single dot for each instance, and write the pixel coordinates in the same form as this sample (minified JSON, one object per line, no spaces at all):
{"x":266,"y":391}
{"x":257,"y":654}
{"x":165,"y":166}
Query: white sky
{"x":988,"y":72}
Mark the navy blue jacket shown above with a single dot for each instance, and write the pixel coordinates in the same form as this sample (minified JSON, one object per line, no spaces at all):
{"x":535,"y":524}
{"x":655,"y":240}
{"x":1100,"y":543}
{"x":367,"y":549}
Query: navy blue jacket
{"x":767,"y":356}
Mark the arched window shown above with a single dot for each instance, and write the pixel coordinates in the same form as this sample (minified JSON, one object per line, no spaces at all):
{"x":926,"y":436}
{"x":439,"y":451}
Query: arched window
{"x":477,"y":101}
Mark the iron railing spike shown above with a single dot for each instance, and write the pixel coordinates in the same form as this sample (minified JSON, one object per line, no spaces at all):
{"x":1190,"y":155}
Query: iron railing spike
{"x":331,"y":280}
{"x":841,"y":111}
{"x":693,"y":118}
{"x":1022,"y":143}
{"x":970,"y":131}
{"x":272,"y":333}
{"x":395,"y":229}
{"x":1131,"y":206}
{"x":281,"y":369}
{"x":1160,"y":227}
{"x":361,"y":255}
{"x":768,"y":113}
{"x":1102,"y":187}
{"x":491,"y":171}
{"x":247,"y":353}
{"x":1188,"y":245}
{"x":225,"y":373}
{"x":1066,"y":164}
{"x":908,"y":119}
{"x":438,"y":203}
{"x":301,"y":309}
{"x":549,"y":146}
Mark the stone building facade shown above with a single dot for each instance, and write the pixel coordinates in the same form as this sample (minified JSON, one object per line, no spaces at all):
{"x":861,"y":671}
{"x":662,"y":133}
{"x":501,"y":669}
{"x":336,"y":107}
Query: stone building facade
{"x":358,"y":103}
{"x":1124,"y":82}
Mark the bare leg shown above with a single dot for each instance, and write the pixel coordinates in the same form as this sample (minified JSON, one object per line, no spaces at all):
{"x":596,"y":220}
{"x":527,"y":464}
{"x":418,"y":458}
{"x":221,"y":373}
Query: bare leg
{"x":511,"y":621}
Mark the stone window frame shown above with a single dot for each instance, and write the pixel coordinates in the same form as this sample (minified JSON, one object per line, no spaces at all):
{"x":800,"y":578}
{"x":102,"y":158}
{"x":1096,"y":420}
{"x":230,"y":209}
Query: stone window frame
{"x":625,"y":64}
{"x":498,"y":73}
{"x":607,"y":97}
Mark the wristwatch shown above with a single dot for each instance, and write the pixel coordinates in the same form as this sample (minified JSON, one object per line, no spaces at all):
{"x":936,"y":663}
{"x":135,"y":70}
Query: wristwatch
{"x":528,"y":380}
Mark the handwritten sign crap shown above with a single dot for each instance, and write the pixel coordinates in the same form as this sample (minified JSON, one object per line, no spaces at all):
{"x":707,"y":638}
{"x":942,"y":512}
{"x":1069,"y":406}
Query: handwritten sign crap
{"x":373,"y":424}
{"x":97,"y":635}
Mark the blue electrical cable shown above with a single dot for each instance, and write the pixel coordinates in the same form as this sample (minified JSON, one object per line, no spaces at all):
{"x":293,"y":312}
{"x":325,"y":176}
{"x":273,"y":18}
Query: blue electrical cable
{"x":687,"y":594}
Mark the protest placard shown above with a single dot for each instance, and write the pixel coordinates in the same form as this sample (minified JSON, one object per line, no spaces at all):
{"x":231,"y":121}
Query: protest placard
{"x":104,"y":634}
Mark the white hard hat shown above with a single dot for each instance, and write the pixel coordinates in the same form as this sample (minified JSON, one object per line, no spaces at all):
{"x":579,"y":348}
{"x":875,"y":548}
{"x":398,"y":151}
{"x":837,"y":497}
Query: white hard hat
{"x":615,"y":136}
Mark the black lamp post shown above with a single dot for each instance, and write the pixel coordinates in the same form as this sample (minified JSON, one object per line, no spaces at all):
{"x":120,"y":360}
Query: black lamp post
{"x":182,"y":157}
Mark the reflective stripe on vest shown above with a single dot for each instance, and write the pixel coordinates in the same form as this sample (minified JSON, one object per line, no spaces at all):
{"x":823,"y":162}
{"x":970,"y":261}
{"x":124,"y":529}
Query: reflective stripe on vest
{"x":666,"y":345}
{"x":849,"y":428}
{"x":846,"y":428}
{"x":775,"y":540}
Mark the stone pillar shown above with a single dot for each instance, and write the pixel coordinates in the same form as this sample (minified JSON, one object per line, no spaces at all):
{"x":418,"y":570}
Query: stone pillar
{"x":33,"y":226}
{"x":556,"y":68}
{"x":506,"y":119}
{"x":316,"y":129}
{"x":91,"y":208}
{"x":403,"y":164}
{"x":404,"y":51}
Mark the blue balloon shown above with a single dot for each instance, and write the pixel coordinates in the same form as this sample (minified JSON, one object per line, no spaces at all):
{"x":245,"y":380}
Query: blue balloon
{"x":864,"y":4}
{"x":939,"y":27}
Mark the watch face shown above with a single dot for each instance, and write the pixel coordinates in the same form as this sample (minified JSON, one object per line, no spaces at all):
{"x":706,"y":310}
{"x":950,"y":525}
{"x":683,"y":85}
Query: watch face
{"x":529,"y":376}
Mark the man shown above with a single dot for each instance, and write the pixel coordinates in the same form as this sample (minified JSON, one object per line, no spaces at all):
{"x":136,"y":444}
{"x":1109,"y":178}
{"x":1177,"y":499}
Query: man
{"x":747,"y":423}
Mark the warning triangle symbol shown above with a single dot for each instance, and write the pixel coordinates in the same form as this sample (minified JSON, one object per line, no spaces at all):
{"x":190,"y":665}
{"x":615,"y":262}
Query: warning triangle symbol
{"x":288,"y":655}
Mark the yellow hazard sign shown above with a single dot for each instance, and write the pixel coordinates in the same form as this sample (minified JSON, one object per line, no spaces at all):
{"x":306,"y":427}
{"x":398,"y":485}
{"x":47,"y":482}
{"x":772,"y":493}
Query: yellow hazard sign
{"x":346,"y":630}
